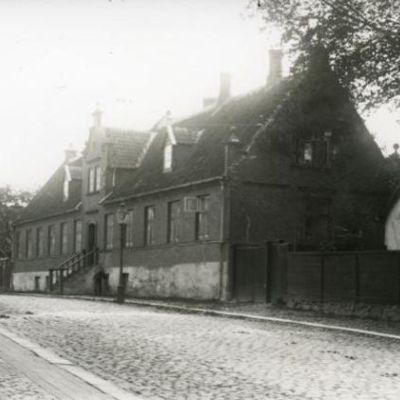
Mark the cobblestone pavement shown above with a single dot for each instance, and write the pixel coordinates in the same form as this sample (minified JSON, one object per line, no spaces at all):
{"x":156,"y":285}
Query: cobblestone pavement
{"x":168,"y":355}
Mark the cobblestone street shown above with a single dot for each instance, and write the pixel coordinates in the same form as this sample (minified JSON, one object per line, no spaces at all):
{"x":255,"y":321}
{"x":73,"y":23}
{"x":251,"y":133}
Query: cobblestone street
{"x":168,"y":355}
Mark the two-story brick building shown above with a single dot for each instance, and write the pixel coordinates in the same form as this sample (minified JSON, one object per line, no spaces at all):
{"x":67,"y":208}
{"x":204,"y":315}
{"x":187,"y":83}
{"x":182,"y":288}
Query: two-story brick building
{"x":292,"y":160}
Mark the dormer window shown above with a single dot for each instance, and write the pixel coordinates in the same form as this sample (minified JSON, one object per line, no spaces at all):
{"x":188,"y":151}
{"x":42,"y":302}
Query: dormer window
{"x":94,"y":179}
{"x":67,"y":180}
{"x":168,"y":157}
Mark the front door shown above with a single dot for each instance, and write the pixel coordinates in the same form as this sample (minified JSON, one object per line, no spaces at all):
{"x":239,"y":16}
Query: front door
{"x":92,"y":243}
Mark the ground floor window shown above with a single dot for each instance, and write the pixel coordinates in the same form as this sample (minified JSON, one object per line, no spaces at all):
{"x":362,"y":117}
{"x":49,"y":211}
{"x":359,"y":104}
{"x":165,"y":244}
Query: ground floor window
{"x":64,"y":238}
{"x":77,"y":236}
{"x":129,"y":230}
{"x":51,"y":240}
{"x":109,"y":231}
{"x":149,"y":214}
{"x":202,"y":218}
{"x":39,"y":242}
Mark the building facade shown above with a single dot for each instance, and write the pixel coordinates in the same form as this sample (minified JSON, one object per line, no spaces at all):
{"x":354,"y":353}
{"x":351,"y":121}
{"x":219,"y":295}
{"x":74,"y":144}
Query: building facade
{"x":290,"y":161}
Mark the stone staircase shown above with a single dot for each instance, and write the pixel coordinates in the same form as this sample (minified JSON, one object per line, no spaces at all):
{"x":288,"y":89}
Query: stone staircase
{"x":76,"y":274}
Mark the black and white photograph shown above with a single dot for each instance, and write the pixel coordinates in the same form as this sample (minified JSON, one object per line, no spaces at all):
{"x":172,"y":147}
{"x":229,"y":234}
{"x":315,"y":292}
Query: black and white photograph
{"x":200,"y":200}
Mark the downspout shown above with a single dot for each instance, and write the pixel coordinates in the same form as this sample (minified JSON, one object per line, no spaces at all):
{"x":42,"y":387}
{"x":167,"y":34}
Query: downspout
{"x":226,"y":271}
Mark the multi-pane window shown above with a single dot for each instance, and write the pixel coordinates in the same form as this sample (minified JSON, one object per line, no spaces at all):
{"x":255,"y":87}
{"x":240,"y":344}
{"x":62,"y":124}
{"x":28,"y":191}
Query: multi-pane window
{"x":149,"y":214}
{"x":77,"y":236}
{"x":95,"y":179}
{"x":91,"y":180}
{"x":52,"y":240}
{"x":109,"y":231}
{"x":129,"y":230}
{"x":202,"y":223}
{"x":29,"y":244}
{"x":174,"y":211}
{"x":64,"y":238}
{"x":98,"y":178}
{"x":39,"y":242}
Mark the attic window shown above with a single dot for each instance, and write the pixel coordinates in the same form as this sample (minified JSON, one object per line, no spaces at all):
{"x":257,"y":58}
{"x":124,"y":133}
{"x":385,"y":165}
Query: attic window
{"x":168,"y":157}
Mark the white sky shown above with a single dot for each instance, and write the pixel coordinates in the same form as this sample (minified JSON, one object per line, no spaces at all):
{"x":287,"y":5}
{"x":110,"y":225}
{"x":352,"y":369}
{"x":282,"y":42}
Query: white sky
{"x":136,"y":58}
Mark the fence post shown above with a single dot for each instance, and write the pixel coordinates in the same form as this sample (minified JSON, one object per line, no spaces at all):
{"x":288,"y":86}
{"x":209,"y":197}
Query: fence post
{"x":51,"y":272}
{"x":280,"y":272}
{"x":269,"y":248}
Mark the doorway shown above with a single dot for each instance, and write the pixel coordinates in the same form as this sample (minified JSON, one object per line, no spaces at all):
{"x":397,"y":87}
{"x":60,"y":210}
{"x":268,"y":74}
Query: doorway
{"x":92,"y":243}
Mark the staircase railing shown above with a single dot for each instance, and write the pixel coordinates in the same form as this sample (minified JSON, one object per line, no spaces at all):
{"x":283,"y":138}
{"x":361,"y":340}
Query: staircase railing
{"x":70,"y":266}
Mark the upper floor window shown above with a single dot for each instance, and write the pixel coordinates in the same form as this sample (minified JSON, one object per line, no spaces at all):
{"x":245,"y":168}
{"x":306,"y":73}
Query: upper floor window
{"x":77,"y":236}
{"x":91,"y":180}
{"x":149,"y":214}
{"x":64,"y":238}
{"x":98,"y":178}
{"x":202,"y":222}
{"x":109,"y":231}
{"x":168,"y":157}
{"x":52,"y":240}
{"x":129,"y":230}
{"x":317,"y":151}
{"x":94,"y":179}
{"x":174,"y":211}
{"x":39,"y":242}
{"x":29,"y":248}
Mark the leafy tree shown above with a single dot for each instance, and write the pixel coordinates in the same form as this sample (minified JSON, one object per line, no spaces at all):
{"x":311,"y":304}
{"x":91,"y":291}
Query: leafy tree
{"x":11,"y":205}
{"x":362,"y":38}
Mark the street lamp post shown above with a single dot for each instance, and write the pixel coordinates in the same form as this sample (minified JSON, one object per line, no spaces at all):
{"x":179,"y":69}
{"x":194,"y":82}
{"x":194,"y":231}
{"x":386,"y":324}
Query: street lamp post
{"x":122,"y":216}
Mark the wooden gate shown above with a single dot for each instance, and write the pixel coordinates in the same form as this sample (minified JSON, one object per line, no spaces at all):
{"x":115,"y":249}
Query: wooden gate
{"x":251,"y":272}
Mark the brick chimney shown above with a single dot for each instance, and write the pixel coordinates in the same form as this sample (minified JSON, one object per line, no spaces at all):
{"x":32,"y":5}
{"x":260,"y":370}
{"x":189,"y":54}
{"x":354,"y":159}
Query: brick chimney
{"x":275,"y":67}
{"x":224,"y":87}
{"x":97,"y":114}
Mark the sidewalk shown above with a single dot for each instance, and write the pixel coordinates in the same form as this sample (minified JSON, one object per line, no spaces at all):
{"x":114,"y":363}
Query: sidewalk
{"x":29,"y":371}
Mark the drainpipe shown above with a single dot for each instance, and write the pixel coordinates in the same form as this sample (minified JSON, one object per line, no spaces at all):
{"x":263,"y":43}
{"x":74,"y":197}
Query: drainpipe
{"x":226,"y":272}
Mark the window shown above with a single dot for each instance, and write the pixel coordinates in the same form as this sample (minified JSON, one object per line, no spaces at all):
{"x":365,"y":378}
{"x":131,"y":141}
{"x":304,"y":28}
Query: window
{"x":149,"y":213}
{"x":66,"y":189}
{"x":168,"y":157}
{"x":95,"y":179}
{"x":39,"y":242}
{"x":52,"y":240}
{"x":202,"y":227}
{"x":29,"y":248}
{"x":64,"y":238}
{"x":91,"y":180}
{"x":109,"y":231}
{"x":98,"y":179}
{"x":174,"y":211}
{"x":77,"y":236}
{"x":129,"y":230}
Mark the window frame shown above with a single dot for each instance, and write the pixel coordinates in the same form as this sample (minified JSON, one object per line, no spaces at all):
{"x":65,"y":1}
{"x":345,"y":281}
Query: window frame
{"x":40,"y":242}
{"x":77,"y":223}
{"x":51,"y":240}
{"x":202,"y":223}
{"x":149,"y":222}
{"x":28,"y":244}
{"x":129,"y":240}
{"x":173,"y":221}
{"x":63,"y":238}
{"x":109,"y":228}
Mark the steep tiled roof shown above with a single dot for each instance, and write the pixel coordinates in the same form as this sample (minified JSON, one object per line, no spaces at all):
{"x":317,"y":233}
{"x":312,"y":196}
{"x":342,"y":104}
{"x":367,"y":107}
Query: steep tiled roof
{"x":49,"y":200}
{"x":126,"y":147}
{"x":210,"y":129}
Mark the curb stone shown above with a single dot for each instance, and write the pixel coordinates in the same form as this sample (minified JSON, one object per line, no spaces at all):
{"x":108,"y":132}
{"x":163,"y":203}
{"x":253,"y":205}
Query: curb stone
{"x":233,"y":315}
